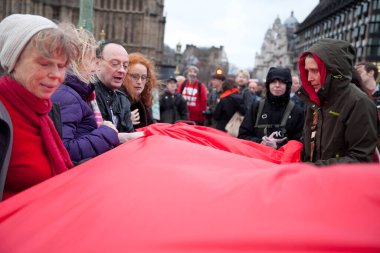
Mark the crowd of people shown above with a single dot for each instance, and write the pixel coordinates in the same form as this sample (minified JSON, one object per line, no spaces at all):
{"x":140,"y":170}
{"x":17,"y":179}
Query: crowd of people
{"x":71,"y":99}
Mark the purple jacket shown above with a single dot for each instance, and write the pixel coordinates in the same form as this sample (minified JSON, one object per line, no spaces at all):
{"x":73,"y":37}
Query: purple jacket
{"x":80,"y":134}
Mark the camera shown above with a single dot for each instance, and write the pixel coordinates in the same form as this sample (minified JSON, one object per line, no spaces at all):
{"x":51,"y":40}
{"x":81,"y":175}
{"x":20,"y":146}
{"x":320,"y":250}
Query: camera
{"x":279,"y":135}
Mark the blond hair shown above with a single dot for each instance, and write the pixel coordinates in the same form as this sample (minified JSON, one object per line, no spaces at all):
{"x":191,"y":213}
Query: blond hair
{"x":244,"y":73}
{"x":87,"y":46}
{"x":62,"y":41}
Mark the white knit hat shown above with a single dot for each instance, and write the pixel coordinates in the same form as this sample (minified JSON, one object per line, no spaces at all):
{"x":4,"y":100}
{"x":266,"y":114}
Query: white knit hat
{"x":15,"y":32}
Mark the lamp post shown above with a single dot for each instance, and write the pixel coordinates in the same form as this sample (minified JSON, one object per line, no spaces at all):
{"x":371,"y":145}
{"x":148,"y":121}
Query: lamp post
{"x":177,"y":58}
{"x":86,"y":15}
{"x":102,"y":37}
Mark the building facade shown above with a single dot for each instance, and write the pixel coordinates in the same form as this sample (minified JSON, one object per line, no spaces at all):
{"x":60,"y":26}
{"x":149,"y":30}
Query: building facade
{"x":206,"y":59}
{"x":356,"y":21}
{"x":140,"y":24}
{"x":278,"y":48}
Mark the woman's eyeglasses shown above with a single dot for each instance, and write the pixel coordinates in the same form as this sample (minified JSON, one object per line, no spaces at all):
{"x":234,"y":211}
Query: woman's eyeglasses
{"x":137,"y":77}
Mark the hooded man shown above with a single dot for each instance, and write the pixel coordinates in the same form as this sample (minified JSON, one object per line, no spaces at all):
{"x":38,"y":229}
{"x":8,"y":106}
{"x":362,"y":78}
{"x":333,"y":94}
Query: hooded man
{"x":340,"y":124}
{"x":274,"y":120}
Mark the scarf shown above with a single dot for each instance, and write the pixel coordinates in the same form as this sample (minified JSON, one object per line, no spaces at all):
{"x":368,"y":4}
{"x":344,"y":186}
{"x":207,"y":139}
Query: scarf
{"x":95,"y":109}
{"x":229,"y":92}
{"x":36,"y":110}
{"x":304,"y":78}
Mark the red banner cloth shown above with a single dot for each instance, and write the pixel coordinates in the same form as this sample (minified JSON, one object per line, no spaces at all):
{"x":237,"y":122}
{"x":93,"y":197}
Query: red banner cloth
{"x":211,"y":137}
{"x":162,"y":194}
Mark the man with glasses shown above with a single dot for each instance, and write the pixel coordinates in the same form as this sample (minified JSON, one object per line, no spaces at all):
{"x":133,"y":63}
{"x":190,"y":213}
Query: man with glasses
{"x":113,"y":61}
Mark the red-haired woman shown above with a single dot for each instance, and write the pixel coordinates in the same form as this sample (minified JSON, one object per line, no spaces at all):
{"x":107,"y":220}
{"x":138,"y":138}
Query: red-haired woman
{"x":138,"y":85}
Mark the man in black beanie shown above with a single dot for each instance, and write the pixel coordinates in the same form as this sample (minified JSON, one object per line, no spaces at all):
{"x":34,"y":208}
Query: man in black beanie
{"x":275,"y":119}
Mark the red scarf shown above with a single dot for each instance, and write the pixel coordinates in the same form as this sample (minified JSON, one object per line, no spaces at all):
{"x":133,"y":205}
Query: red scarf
{"x":229,"y":92}
{"x":36,"y":111}
{"x":304,"y":78}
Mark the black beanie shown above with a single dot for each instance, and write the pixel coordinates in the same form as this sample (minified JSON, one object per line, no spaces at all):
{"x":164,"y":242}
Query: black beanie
{"x":279,"y":73}
{"x":284,"y":75}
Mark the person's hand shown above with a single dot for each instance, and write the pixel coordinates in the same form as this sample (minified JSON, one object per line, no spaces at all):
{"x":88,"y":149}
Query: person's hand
{"x":110,"y":125}
{"x":135,"y":117}
{"x":271,"y":141}
{"x":124,"y":137}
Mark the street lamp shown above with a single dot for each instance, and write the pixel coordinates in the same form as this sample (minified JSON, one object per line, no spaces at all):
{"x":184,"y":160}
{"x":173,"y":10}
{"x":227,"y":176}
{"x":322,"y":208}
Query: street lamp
{"x":177,"y":58}
{"x":86,"y":10}
{"x":102,"y":37}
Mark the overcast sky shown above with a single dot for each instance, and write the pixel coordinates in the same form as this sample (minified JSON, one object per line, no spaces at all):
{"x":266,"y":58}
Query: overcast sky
{"x":238,"y":25}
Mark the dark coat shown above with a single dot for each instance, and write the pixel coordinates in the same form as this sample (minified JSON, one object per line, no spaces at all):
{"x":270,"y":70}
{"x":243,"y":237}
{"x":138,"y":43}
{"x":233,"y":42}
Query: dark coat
{"x":346,"y":128}
{"x":297,"y":101}
{"x":271,"y":115}
{"x":249,"y":97}
{"x":173,"y":107}
{"x":226,"y":108}
{"x":6,"y":141}
{"x":145,"y":113}
{"x":114,"y":103}
{"x":80,"y":134}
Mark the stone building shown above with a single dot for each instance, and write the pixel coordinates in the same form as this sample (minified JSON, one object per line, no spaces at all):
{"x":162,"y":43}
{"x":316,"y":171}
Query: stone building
{"x":139,"y":23}
{"x":356,"y":21}
{"x":278,"y":48}
{"x":206,"y":59}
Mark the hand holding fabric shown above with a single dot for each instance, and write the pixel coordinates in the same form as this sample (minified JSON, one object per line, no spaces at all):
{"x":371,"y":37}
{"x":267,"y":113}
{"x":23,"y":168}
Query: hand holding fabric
{"x":271,"y":141}
{"x":124,"y":137}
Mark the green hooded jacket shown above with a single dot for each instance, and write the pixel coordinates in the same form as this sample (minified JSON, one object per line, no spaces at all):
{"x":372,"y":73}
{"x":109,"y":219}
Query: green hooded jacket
{"x":347,"y":118}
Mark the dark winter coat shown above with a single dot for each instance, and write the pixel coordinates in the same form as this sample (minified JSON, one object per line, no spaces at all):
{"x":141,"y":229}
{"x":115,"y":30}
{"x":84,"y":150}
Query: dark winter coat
{"x":346,"y":128}
{"x":226,"y":108}
{"x":173,"y":107}
{"x":114,"y":103}
{"x":145,"y":113}
{"x":297,"y":101}
{"x":80,"y":134}
{"x":249,"y":97}
{"x":272,"y":114}
{"x":6,"y":142}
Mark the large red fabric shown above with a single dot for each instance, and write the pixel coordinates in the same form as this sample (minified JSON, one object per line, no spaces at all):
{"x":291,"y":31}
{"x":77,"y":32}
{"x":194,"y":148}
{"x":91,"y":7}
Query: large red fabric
{"x":165,"y":194}
{"x":211,"y":137}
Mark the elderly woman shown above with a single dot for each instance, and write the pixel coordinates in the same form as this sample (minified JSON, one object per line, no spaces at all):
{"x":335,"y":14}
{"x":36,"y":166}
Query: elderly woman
{"x":35,"y":53}
{"x":138,"y":86}
{"x":81,"y":135}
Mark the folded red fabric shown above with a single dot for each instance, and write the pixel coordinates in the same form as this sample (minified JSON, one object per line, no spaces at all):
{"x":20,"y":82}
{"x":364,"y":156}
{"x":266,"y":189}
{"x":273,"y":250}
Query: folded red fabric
{"x":164,"y":193}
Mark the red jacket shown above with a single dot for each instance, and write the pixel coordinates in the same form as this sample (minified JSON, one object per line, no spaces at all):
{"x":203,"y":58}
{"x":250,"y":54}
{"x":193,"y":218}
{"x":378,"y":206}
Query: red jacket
{"x":195,"y":104}
{"x":29,"y":164}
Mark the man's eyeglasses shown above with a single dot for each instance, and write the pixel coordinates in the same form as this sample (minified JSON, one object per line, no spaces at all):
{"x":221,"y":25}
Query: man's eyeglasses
{"x":116,"y":64}
{"x":136,"y":77}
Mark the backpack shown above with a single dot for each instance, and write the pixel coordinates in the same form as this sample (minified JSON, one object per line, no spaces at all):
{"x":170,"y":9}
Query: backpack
{"x":183,"y":85}
{"x":285,"y":116}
